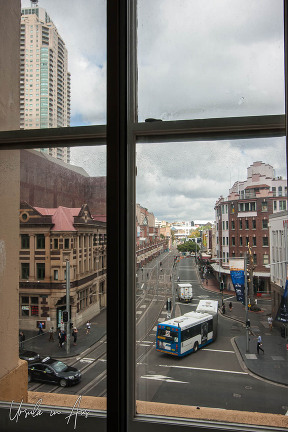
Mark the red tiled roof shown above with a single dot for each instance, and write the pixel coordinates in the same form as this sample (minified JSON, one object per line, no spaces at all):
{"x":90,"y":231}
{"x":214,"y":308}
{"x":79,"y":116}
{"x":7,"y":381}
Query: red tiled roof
{"x":62,"y":217}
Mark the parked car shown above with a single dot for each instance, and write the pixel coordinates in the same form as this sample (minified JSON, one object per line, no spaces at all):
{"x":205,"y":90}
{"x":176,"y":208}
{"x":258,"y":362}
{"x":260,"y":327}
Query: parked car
{"x":51,"y":370}
{"x":29,"y":356}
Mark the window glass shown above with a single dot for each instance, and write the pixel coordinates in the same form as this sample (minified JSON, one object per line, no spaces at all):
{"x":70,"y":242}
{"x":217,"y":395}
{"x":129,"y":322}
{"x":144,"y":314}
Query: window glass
{"x":219,"y":60}
{"x":181,"y":190}
{"x":71,"y":86}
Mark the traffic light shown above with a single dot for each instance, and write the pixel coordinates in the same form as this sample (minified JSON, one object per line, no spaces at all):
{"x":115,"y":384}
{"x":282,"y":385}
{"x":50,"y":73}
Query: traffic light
{"x":221,"y":286}
{"x":65,"y":316}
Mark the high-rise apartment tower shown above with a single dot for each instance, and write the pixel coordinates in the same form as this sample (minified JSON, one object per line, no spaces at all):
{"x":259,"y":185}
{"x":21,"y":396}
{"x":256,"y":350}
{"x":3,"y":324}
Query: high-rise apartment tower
{"x":44,"y":76}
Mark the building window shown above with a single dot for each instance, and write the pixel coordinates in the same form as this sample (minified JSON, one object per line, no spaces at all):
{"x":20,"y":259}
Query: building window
{"x":55,"y":274}
{"x":264,"y":206}
{"x":40,"y":241}
{"x":29,"y":306}
{"x":254,"y":241}
{"x":240,"y":241}
{"x":246,"y":224}
{"x":226,"y":225}
{"x":255,"y":259}
{"x":264,"y":223}
{"x":265,"y":259}
{"x":265,"y":241}
{"x":40,"y":269}
{"x":253,"y":223}
{"x":275,"y":205}
{"x":233,"y":241}
{"x":66,"y":243}
{"x":240,"y":224}
{"x":282,"y":205}
{"x":55,"y":244}
{"x":280,"y":191}
{"x":247,"y":241}
{"x":25,"y":241}
{"x":233,"y":225}
{"x":274,"y":191}
{"x":25,"y":271}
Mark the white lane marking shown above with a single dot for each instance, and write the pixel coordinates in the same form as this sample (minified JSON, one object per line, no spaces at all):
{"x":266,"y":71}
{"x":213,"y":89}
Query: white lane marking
{"x":142,"y":285}
{"x":143,"y":345}
{"x":87,"y":360}
{"x":205,"y":369}
{"x":162,"y":378}
{"x":139,"y":312}
{"x":143,"y":306}
{"x":209,"y":349}
{"x":148,"y":342}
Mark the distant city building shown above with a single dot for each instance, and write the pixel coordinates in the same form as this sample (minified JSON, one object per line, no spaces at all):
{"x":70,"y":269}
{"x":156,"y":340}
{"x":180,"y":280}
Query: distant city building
{"x":149,"y":244}
{"x":182,"y":230}
{"x":48,"y":237}
{"x":278,"y":235}
{"x":44,"y":76}
{"x":242,"y":221}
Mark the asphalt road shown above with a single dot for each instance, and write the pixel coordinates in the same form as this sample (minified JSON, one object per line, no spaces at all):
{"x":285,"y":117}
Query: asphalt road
{"x":212,"y":377}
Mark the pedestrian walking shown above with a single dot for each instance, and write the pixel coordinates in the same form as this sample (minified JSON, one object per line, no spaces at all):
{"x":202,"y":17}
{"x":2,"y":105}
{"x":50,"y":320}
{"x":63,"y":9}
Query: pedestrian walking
{"x":21,"y":340}
{"x":178,"y":279}
{"x":270,"y":322}
{"x":206,"y":281}
{"x":62,"y":338}
{"x":88,"y":327}
{"x":75,"y":334}
{"x":230,"y":306}
{"x":40,"y":327}
{"x":51,"y":334}
{"x":59,"y":337}
{"x":259,"y":347}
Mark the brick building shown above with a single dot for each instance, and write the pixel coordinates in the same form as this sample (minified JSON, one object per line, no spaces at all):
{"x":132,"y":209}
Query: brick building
{"x":149,"y":244}
{"x":242,"y":220}
{"x":48,"y":182}
{"x":48,"y":237}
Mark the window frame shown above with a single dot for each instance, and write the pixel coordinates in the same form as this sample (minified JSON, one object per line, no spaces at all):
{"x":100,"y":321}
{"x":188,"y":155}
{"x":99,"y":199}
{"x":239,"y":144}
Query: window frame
{"x":122,"y":133}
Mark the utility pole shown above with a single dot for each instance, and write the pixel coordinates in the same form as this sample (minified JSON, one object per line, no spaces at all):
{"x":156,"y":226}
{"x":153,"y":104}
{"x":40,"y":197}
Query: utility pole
{"x":66,"y":257}
{"x":246,"y":303}
{"x":250,"y":269}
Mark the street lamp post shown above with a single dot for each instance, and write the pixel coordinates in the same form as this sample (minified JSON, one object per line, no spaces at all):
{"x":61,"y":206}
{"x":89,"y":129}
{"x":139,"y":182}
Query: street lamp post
{"x":66,"y":258}
{"x":246,"y":302}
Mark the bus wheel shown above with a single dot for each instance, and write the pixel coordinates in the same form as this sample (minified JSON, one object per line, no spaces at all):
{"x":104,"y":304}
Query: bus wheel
{"x":196,"y":346}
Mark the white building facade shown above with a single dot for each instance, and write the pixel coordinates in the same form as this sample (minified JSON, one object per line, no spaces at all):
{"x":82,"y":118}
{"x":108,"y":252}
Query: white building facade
{"x":278,"y":235}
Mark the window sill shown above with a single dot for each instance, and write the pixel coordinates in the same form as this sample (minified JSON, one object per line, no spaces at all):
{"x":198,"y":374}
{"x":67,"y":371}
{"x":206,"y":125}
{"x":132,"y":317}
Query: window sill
{"x":208,"y":414}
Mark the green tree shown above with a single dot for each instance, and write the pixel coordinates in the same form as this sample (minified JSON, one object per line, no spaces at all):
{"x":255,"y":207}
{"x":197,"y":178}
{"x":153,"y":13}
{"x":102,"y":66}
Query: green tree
{"x":188,"y":246}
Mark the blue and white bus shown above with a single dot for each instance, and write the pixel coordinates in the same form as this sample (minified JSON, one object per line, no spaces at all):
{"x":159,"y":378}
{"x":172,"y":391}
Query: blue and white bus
{"x":186,"y":334}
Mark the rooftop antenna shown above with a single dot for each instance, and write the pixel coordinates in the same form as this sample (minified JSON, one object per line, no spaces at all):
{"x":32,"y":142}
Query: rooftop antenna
{"x":34,"y":3}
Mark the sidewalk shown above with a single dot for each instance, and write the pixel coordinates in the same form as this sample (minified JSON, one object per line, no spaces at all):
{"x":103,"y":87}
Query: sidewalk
{"x":41,"y":344}
{"x":273,"y":364}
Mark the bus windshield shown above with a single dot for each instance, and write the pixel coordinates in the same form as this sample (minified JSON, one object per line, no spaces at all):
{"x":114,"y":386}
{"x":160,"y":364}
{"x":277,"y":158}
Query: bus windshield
{"x":168,"y":334}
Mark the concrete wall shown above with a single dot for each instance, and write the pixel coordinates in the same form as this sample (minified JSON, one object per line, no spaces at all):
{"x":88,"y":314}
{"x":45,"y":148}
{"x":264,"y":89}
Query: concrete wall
{"x":13,"y":372}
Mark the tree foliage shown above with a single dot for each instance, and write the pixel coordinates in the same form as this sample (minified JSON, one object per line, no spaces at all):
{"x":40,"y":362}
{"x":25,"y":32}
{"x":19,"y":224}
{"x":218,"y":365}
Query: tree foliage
{"x":188,"y":246}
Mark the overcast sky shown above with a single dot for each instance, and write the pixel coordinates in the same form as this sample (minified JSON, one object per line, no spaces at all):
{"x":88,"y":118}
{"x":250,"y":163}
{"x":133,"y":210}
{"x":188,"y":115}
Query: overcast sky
{"x":195,"y":60}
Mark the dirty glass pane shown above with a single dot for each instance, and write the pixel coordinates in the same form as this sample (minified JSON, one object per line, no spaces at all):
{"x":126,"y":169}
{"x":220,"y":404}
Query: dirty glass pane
{"x":211,"y":59}
{"x":62,"y":67}
{"x":200,"y":208}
